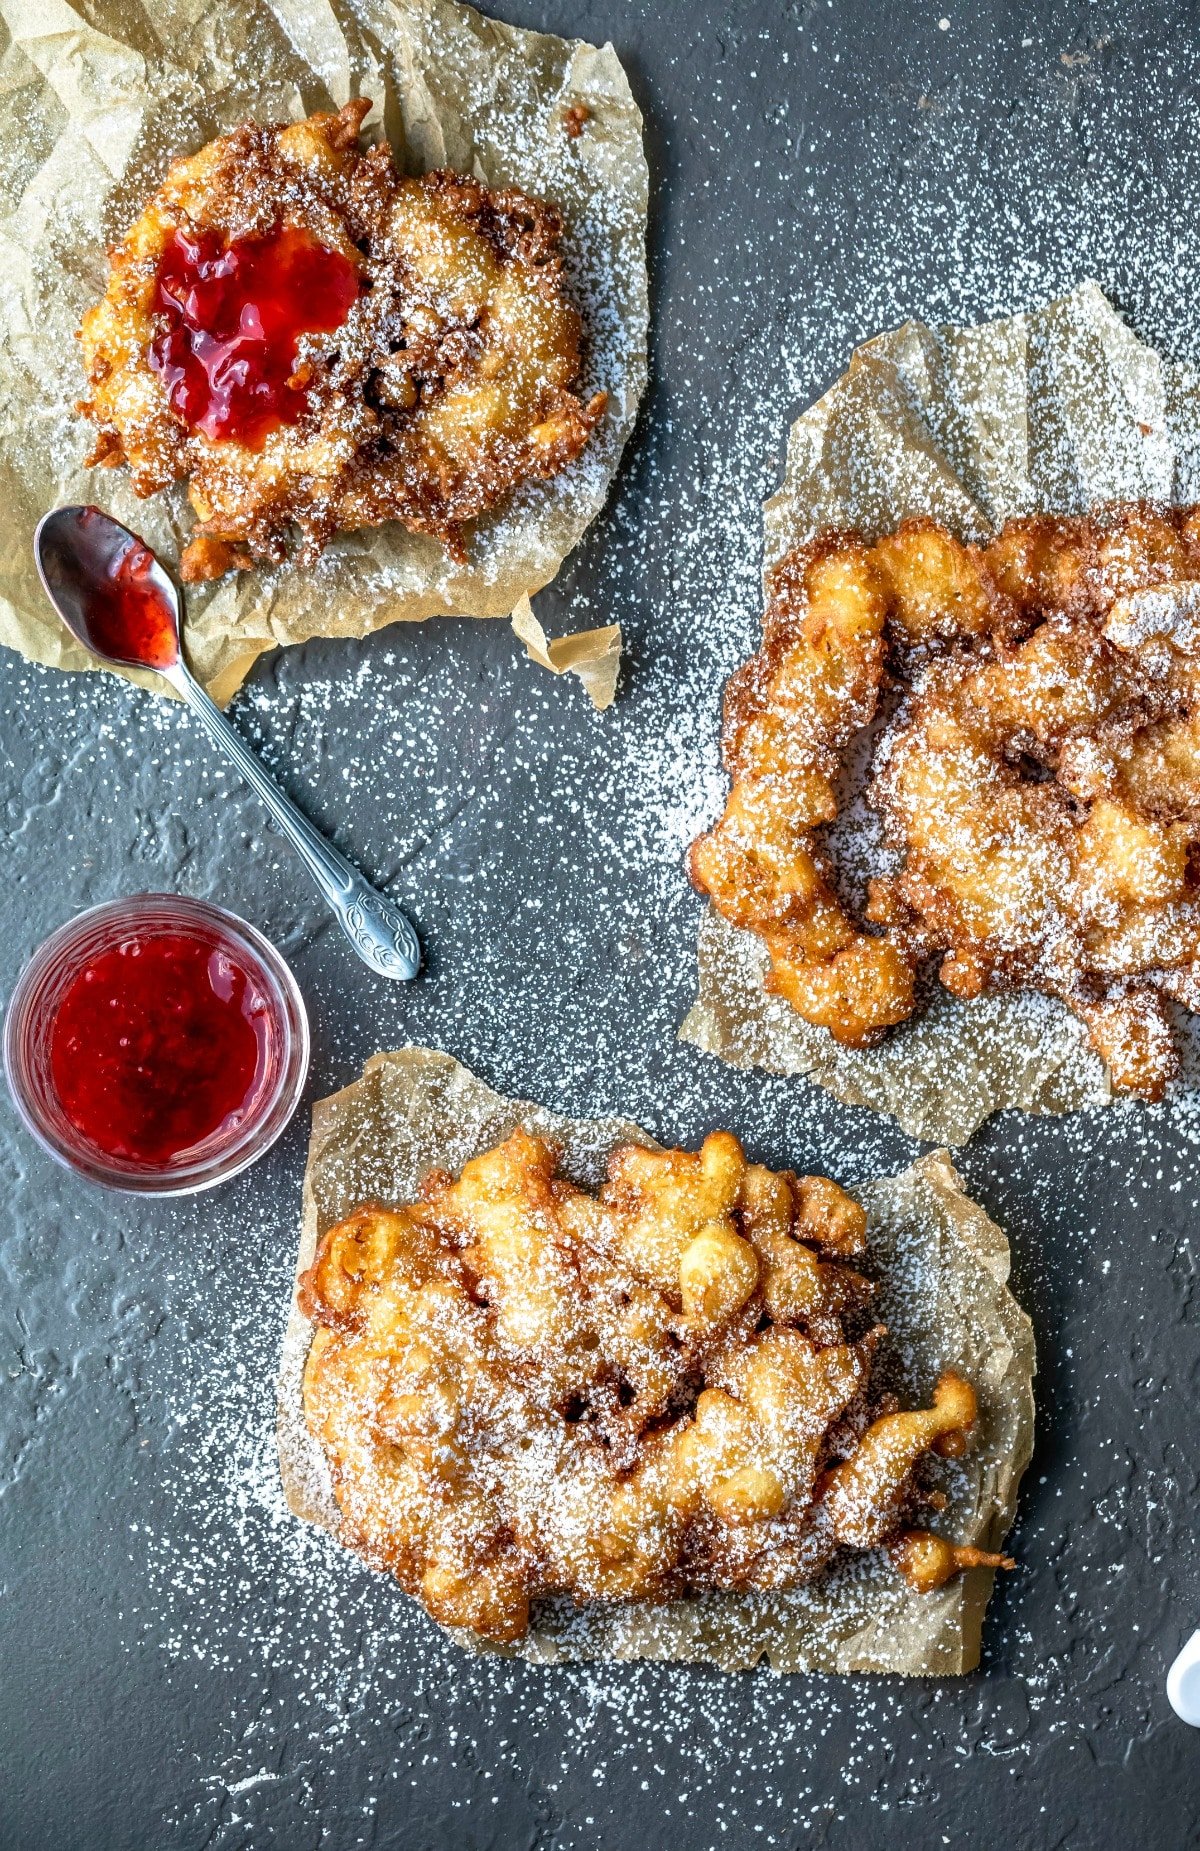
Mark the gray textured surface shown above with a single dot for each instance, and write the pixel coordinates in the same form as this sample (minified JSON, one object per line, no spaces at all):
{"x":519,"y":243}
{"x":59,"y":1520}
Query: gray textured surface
{"x":180,"y":1668}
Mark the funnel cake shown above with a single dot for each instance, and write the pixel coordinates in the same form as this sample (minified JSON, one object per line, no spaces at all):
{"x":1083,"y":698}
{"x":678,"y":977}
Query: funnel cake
{"x":522,"y":1390}
{"x":318,"y":343}
{"x":1039,"y":783}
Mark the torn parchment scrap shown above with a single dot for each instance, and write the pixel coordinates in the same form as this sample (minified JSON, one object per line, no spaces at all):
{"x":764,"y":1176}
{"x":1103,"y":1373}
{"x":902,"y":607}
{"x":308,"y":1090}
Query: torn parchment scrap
{"x":593,"y":655}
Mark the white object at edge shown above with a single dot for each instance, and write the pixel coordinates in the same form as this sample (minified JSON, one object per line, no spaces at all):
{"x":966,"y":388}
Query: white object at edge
{"x":1183,"y":1683}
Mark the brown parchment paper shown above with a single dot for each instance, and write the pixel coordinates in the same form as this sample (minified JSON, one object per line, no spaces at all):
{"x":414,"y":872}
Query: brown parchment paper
{"x":943,"y":1270}
{"x":98,"y":100}
{"x":1052,"y":411}
{"x":593,"y":655}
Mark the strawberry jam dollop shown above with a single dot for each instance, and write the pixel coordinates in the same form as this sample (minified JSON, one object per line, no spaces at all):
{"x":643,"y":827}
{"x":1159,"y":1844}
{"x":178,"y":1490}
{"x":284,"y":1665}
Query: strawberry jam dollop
{"x":232,"y":317}
{"x":128,"y":614}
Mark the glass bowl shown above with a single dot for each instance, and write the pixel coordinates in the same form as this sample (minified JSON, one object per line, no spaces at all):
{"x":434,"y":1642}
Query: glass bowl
{"x":33,"y":1007}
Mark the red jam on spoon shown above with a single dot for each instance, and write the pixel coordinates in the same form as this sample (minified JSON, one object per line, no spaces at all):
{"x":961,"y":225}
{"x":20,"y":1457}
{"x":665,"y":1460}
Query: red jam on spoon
{"x":128,"y":613}
{"x":160,"y":1043}
{"x":234,"y":314}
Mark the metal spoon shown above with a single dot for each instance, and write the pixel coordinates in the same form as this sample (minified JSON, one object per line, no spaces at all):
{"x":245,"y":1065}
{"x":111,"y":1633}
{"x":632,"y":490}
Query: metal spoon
{"x":81,"y":556}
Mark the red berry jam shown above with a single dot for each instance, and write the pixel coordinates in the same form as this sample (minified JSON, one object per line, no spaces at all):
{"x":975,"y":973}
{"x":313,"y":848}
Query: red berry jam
{"x":159,"y":1043}
{"x":128,"y":615}
{"x":156,"y":1044}
{"x":234,"y":313}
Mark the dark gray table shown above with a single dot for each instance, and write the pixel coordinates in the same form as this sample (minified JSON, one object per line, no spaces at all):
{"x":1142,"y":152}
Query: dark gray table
{"x":181,"y":1665}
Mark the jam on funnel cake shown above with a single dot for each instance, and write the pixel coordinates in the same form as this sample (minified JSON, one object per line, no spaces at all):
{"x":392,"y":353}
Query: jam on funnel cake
{"x":316,"y":342}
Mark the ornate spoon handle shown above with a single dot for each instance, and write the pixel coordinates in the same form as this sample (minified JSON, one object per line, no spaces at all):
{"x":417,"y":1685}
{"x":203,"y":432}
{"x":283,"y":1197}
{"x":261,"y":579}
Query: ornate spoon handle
{"x":378,"y":930}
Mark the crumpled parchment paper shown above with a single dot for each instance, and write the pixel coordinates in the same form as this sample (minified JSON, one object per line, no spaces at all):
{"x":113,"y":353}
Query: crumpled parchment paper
{"x":1053,"y":411}
{"x":943,"y":1272}
{"x":593,"y":655}
{"x":98,"y":101}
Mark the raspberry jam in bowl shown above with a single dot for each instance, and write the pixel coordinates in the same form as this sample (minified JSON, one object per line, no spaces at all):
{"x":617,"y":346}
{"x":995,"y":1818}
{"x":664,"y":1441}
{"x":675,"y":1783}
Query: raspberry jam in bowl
{"x":156,"y":1044}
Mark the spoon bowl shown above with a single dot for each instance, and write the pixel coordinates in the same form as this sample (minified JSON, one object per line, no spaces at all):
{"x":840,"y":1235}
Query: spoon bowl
{"x":86,"y":561}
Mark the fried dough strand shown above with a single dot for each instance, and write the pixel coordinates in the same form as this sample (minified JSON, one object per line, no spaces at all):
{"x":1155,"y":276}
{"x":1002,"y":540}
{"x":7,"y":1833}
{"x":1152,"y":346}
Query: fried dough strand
{"x":524,"y":1390}
{"x":790,"y":713}
{"x":1040,"y":782}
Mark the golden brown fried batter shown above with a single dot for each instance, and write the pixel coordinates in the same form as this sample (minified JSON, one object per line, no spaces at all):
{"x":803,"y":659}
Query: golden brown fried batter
{"x":444,"y":384}
{"x":1041,"y":780}
{"x":523,"y":1390}
{"x":790,"y":713}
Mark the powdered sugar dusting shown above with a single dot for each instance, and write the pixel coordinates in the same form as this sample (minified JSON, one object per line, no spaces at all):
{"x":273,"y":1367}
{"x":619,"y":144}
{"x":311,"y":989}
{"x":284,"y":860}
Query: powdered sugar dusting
{"x":816,"y":182}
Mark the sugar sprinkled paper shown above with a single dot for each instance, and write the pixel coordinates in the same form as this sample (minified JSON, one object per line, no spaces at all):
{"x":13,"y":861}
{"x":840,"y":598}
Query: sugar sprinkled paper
{"x":1053,"y":411}
{"x":107,"y":110}
{"x":943,"y":1270}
